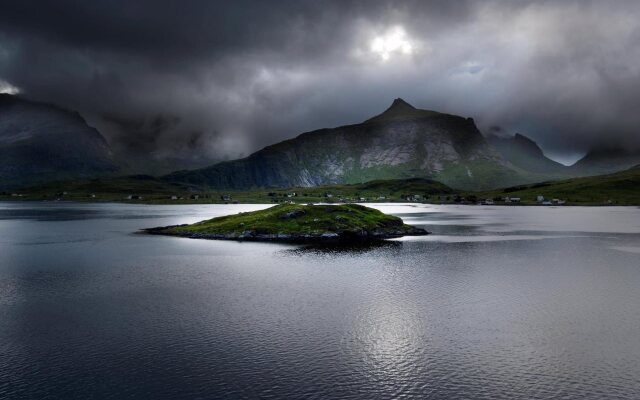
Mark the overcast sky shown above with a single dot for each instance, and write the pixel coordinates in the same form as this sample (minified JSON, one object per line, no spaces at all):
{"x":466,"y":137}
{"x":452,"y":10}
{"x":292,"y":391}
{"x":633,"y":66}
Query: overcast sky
{"x":206,"y":80}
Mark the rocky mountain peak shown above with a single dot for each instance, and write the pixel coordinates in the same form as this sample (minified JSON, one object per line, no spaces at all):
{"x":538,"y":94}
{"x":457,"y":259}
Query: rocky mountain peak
{"x":399,"y":105}
{"x":399,"y":110}
{"x":527,"y":144}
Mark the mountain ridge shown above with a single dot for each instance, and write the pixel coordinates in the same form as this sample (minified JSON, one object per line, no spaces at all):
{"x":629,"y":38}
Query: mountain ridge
{"x":41,"y":142}
{"x":525,"y":153}
{"x":600,"y":161}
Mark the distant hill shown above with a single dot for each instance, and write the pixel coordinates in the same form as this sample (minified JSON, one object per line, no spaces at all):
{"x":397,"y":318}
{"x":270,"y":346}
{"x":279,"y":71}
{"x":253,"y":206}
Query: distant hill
{"x":621,"y":188}
{"x":402,"y":142}
{"x":394,"y":186}
{"x":604,"y":161}
{"x":524,"y":153}
{"x":40,"y":143}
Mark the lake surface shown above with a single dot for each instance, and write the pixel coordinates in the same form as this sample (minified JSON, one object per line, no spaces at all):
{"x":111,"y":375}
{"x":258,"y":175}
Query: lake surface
{"x":499,"y":303}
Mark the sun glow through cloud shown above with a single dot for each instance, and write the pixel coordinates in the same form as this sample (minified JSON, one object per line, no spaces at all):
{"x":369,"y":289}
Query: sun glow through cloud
{"x":7,"y":88}
{"x":393,"y":42}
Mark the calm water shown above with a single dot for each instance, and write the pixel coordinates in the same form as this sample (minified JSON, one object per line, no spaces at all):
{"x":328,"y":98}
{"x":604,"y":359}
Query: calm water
{"x":499,"y":303}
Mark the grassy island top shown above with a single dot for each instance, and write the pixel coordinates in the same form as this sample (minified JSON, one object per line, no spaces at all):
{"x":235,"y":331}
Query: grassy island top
{"x":291,"y":222}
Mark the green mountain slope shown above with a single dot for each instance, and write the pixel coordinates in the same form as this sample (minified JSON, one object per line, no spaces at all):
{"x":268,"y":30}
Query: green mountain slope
{"x":621,"y":188}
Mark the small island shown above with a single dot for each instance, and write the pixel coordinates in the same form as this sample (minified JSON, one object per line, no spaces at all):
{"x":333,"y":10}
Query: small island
{"x":298,"y":223}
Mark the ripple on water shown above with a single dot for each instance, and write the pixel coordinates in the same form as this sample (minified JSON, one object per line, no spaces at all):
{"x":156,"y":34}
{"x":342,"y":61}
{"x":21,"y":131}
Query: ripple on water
{"x":94,"y":311}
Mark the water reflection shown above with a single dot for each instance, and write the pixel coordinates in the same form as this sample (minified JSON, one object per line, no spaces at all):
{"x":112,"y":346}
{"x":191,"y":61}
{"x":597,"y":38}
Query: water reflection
{"x":510,"y":303}
{"x":345,"y":248}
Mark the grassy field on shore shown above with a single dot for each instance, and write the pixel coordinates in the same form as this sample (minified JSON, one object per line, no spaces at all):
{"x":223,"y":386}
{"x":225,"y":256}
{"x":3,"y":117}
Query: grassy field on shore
{"x":146,"y":189}
{"x":621,"y":188}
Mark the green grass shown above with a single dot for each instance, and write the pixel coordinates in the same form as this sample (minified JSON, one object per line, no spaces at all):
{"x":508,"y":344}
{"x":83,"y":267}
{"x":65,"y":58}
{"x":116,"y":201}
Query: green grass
{"x":157,"y":191}
{"x":316,"y":219}
{"x":620,"y":188}
{"x":289,"y":222}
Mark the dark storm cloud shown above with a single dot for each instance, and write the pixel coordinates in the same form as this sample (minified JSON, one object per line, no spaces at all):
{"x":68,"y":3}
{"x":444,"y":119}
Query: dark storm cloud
{"x":201,"y":80}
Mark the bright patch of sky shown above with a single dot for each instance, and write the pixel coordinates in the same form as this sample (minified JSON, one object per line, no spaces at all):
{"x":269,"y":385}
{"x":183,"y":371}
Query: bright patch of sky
{"x":7,"y":88}
{"x":391,"y":43}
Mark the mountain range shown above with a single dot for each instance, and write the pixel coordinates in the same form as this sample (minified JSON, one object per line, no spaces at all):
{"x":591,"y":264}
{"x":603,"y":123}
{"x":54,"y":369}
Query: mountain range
{"x":402,"y":142}
{"x":40,"y":143}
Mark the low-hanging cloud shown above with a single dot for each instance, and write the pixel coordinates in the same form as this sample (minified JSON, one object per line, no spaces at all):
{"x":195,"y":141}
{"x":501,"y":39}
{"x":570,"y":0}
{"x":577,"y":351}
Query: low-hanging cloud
{"x":202,"y":81}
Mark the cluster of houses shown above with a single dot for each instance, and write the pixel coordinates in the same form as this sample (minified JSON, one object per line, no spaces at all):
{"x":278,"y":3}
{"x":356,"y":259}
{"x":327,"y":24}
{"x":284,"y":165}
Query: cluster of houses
{"x":414,"y":198}
{"x":331,"y":197}
{"x":225,"y":198}
{"x":516,"y":200}
{"x":192,"y":197}
{"x":59,"y":196}
{"x":546,"y":202}
{"x":505,"y":200}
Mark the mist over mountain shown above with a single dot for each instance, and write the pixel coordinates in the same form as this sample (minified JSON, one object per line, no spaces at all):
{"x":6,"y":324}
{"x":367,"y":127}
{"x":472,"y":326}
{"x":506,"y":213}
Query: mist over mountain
{"x":41,"y":143}
{"x":169,"y":84}
{"x":606,"y":160}
{"x":524,"y":153}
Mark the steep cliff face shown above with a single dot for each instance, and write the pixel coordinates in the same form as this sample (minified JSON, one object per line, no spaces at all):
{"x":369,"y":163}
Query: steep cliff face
{"x":41,"y":143}
{"x":402,"y":142}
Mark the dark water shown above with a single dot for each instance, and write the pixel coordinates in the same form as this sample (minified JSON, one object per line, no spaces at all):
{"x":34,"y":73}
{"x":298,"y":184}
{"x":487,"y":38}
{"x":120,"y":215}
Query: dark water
{"x":500,"y":303}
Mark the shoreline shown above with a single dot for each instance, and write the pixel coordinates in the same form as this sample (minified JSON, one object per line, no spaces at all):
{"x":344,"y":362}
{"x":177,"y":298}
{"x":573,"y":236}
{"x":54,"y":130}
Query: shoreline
{"x":183,"y":202}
